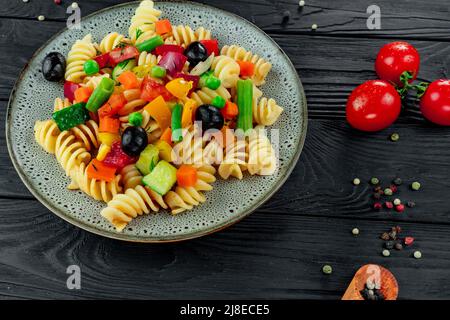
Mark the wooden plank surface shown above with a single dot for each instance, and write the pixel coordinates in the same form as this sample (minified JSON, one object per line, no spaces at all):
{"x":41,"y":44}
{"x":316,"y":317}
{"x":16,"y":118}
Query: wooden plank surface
{"x":279,"y":250}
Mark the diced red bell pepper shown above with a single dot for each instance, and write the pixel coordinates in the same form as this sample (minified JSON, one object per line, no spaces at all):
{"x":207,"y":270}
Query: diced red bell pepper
{"x":69,"y":90}
{"x":102,"y":60}
{"x":212,"y":46}
{"x":163,"y":49}
{"x":151,"y":89}
{"x":122,"y":54}
{"x":117,"y":158}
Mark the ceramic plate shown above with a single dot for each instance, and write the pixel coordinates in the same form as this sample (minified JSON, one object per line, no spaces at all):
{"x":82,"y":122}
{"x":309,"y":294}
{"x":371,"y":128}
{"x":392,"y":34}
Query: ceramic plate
{"x":32,"y":99}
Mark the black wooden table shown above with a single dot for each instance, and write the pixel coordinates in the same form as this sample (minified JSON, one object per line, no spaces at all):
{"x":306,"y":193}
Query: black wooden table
{"x":278,"y":251}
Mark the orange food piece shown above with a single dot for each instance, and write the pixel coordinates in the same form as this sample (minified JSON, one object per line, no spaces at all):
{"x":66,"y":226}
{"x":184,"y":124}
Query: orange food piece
{"x":112,"y":106}
{"x":187,"y":176}
{"x":82,"y":94}
{"x":247,"y":68}
{"x":167,"y":136}
{"x":188,"y":113}
{"x":163,"y":26}
{"x":230,"y":111}
{"x":129,"y":80}
{"x":100,"y":171}
{"x":159,"y":111}
{"x":109,"y":124}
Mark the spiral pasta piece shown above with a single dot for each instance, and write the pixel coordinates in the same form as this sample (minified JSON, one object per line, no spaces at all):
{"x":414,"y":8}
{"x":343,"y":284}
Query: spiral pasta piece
{"x":206,"y":95}
{"x":143,"y":22}
{"x":265,"y":111}
{"x":262,"y":67}
{"x":134,"y":101}
{"x":46,"y":133}
{"x":261,"y":155}
{"x":98,"y":189}
{"x":148,"y":59}
{"x":184,"y":35}
{"x":190,"y":149}
{"x":235,"y":160}
{"x":134,"y":202}
{"x":69,"y":152}
{"x":227,"y":70}
{"x":213,"y":152}
{"x":82,"y":51}
{"x":185,"y":198}
{"x":60,"y":104}
{"x":111,"y":41}
{"x":131,"y":177}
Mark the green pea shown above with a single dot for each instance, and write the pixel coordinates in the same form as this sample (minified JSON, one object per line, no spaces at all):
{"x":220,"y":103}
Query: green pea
{"x":213,"y":83}
{"x":135,"y":119}
{"x":374,"y":181}
{"x":91,"y":67}
{"x":158,"y":72}
{"x":218,"y":102}
{"x":327,"y":269}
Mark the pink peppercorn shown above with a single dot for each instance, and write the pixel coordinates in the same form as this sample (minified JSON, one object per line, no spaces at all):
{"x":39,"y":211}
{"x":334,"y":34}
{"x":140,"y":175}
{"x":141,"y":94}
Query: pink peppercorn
{"x":389,"y":204}
{"x":377,"y":206}
{"x":400,"y":208}
{"x":57,"y":1}
{"x":394,"y":188}
{"x":409,"y":241}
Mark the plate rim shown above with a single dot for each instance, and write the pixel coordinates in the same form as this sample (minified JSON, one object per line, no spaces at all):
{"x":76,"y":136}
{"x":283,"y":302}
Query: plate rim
{"x":172,"y":238}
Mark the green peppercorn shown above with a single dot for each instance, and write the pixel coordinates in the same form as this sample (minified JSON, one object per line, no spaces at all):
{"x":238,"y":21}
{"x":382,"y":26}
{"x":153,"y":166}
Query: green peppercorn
{"x":327,"y":269}
{"x":213,"y":83}
{"x":417,"y":254}
{"x":397,"y":181}
{"x":415,"y":185}
{"x":386,"y":253}
{"x":395,"y":137}
{"x":91,"y":67}
{"x":356,"y":181}
{"x":388,"y":192}
{"x":158,"y":72}
{"x":374,"y":181}
{"x":355,"y":231}
{"x":397,"y":202}
{"x":135,"y":119}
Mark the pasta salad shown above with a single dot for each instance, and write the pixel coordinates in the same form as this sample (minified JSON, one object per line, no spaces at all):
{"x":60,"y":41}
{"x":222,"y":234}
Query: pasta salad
{"x":149,"y":119}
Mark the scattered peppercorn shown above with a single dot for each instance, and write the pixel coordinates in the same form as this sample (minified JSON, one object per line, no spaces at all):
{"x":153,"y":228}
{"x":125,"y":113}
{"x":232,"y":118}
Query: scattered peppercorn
{"x":397,"y":181}
{"x":377,"y":206}
{"x":377,"y":189}
{"x":388,"y":191}
{"x":395,"y":137}
{"x":389,"y":204}
{"x":389,"y":245}
{"x":314,"y":26}
{"x":57,"y":1}
{"x":41,"y":18}
{"x":394,"y":188}
{"x":327,"y":269}
{"x":355,"y":231}
{"x":356,"y":181}
{"x":400,"y":208}
{"x":74,"y":5}
{"x":417,"y":254}
{"x":411,"y":204}
{"x":386,"y":253}
{"x":408,"y":241}
{"x":393,"y":235}
{"x":374,"y":181}
{"x":385,"y":236}
{"x":286,"y":16}
{"x":398,"y":246}
{"x":377,"y":196}
{"x":397,"y":201}
{"x":397,"y":229}
{"x":301,"y":3}
{"x":415,"y":186}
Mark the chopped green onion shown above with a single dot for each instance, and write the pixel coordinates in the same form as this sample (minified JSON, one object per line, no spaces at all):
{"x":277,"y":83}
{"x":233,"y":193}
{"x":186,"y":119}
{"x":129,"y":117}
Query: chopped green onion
{"x":245,"y":102}
{"x":151,"y":44}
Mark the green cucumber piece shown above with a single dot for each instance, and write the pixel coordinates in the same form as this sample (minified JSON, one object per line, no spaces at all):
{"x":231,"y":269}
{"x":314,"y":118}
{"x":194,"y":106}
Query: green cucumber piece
{"x":72,"y":116}
{"x":148,"y":159}
{"x":126,"y":65}
{"x":162,"y":178}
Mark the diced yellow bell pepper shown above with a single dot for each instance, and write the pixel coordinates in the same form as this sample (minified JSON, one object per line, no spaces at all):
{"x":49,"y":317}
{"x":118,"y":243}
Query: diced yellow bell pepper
{"x":179,"y":87}
{"x":165,"y":150}
{"x":108,"y":138}
{"x":159,"y":111}
{"x":188,"y":112}
{"x":103,"y":152}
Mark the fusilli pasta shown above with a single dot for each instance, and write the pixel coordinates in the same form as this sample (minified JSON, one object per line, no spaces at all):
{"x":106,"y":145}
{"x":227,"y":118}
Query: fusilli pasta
{"x":82,"y":51}
{"x":227,"y":70}
{"x":261,"y":155}
{"x":184,"y":35}
{"x":70,"y":152}
{"x":143,"y":22}
{"x":206,"y":95}
{"x":46,"y":133}
{"x":265,"y":111}
{"x":235,"y":160}
{"x":131,"y":177}
{"x":111,"y":41}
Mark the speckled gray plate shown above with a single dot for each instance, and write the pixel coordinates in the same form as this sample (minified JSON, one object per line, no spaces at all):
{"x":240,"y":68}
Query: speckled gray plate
{"x":230,"y":201}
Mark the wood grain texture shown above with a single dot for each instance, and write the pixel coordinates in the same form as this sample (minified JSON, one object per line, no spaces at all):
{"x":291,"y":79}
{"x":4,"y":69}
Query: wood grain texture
{"x":279,"y":250}
{"x":268,"y":255}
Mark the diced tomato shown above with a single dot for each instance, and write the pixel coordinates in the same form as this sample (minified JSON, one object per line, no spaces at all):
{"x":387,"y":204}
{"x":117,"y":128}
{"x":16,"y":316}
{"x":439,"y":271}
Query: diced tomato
{"x":230,"y":111}
{"x":102,"y":60}
{"x":117,"y":158}
{"x":151,"y":89}
{"x":162,"y":50}
{"x":163,"y":26}
{"x":212,"y":46}
{"x":112,"y":106}
{"x":247,"y":68}
{"x":122,"y":54}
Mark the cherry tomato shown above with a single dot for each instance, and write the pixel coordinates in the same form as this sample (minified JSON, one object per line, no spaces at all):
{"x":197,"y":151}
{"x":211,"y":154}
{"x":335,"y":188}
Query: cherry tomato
{"x":395,"y":58}
{"x":435,"y":103}
{"x":151,"y":89}
{"x":122,"y":54}
{"x":373,"y":106}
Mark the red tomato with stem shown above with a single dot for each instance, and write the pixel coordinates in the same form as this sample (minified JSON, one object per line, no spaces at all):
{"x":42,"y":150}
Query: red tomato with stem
{"x":435,"y":103}
{"x":395,"y":58}
{"x":373,"y":106}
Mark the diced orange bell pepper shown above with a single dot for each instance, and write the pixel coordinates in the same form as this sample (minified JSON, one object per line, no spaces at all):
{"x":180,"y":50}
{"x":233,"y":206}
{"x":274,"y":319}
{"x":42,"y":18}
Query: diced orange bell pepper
{"x":159,"y":111}
{"x":109,"y":124}
{"x":188,"y":113}
{"x":167,"y":136}
{"x":99,"y":171}
{"x":179,"y":87}
{"x":163,"y":26}
{"x":82,"y":94}
{"x":230,"y":111}
{"x":247,"y":68}
{"x":129,"y":80}
{"x":187,"y":176}
{"x":112,"y":106}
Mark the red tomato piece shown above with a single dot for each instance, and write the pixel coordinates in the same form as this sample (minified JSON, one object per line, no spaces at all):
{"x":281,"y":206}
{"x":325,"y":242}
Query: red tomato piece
{"x":435,"y":103}
{"x":69,"y":90}
{"x":102,"y":60}
{"x":122,"y":54}
{"x":373,"y":106}
{"x":151,"y":89}
{"x":212,"y":46}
